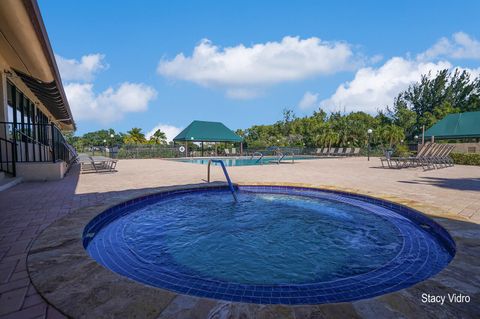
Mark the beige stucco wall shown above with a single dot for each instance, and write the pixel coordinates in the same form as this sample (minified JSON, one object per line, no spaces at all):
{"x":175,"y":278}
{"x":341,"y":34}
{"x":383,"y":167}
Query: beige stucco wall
{"x":41,"y":171}
{"x":464,"y":148}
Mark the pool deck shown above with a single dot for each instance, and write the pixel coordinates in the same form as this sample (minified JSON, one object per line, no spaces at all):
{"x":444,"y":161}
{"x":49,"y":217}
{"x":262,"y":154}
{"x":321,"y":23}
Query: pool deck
{"x":452,"y":195}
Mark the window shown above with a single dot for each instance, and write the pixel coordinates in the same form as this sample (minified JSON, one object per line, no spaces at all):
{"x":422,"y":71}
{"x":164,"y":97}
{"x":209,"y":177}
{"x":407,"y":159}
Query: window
{"x":25,"y":116}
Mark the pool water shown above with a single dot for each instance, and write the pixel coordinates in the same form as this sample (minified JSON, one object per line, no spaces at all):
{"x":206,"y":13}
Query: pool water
{"x":245,"y":161}
{"x":205,"y":244}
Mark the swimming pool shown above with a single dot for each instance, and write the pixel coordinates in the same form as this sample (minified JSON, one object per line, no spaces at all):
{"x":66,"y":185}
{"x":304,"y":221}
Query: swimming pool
{"x":276,"y":245}
{"x":245,"y":161}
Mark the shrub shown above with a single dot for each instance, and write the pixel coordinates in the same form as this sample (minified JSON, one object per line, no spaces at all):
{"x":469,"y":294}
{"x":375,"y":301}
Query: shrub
{"x":401,"y":150}
{"x":466,"y":158}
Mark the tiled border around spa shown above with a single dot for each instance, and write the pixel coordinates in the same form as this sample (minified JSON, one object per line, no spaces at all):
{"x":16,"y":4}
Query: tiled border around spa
{"x":71,"y":281}
{"x":399,"y":273}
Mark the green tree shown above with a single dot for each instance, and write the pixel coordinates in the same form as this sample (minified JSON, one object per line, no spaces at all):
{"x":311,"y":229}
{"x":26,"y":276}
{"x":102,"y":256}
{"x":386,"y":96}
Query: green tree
{"x":158,"y":137}
{"x":135,"y":136}
{"x":329,"y":137}
{"x":392,"y":134}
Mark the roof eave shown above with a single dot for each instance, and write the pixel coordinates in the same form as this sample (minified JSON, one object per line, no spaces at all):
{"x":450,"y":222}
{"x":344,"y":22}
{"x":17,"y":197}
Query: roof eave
{"x":33,"y":11}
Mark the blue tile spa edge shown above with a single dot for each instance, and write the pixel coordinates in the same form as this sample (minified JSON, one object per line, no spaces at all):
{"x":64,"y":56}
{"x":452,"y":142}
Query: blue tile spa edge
{"x":420,"y":234}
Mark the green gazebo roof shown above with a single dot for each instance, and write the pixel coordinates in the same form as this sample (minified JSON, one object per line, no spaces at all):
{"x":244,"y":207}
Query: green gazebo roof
{"x":458,"y":125}
{"x":202,"y":131}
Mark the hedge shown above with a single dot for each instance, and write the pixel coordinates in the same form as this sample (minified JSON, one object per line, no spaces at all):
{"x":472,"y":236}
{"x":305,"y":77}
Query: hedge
{"x":466,"y":158}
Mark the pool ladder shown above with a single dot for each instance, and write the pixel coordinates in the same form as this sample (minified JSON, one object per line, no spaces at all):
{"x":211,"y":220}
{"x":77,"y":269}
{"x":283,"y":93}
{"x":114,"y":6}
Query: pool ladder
{"x":259,"y":158}
{"x":282,"y":155}
{"x":230,"y":185}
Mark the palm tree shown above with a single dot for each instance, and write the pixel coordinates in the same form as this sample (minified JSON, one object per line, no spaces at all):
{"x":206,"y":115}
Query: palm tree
{"x":329,"y":137}
{"x":158,"y":137}
{"x":135,"y":136}
{"x":393,"y":134}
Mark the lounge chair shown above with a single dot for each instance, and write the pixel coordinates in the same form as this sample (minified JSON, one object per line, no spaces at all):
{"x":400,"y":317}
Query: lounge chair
{"x":429,"y":159}
{"x":318,"y":151}
{"x":348,"y":151}
{"x":409,"y":161}
{"x":234,"y":151}
{"x":96,"y":164}
{"x":442,"y":158}
{"x":339,"y":152}
{"x":227,"y":152}
{"x":104,"y":163}
{"x":331,"y":152}
{"x":325,"y":151}
{"x":356,"y":151}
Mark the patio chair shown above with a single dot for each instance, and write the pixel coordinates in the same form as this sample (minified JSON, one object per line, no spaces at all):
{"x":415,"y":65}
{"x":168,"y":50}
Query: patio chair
{"x":339,"y":152}
{"x":409,"y":161}
{"x":430,"y":159}
{"x":447,"y":159}
{"x":442,"y":158}
{"x":96,"y":164}
{"x":104,"y":163}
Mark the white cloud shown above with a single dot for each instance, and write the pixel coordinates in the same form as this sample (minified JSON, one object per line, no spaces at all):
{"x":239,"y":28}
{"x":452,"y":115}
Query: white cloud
{"x":308,"y":100}
{"x":240,"y":69}
{"x":110,"y":105}
{"x":374,"y":88}
{"x":83,"y":70}
{"x":460,"y":46}
{"x":169,"y":130}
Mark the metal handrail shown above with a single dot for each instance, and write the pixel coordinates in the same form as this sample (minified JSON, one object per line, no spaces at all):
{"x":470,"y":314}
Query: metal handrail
{"x":230,"y":185}
{"x":257,"y":153}
{"x":285,"y":154}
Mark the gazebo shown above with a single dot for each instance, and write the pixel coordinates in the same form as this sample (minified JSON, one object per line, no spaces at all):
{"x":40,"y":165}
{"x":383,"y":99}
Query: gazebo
{"x":203,"y":131}
{"x":456,"y":126}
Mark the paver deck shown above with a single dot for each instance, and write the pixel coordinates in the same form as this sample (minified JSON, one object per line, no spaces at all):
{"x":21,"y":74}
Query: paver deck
{"x":28,"y":208}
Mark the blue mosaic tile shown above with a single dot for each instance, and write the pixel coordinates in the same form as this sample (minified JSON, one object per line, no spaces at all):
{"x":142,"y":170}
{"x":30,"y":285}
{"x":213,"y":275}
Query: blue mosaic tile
{"x":402,"y":271}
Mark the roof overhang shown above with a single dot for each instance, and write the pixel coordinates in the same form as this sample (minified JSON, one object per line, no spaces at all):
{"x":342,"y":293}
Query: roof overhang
{"x":27,"y":50}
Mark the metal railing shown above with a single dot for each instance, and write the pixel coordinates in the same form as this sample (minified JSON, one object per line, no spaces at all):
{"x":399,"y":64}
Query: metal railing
{"x":282,"y":156}
{"x":259,"y":158}
{"x":7,"y":156}
{"x":30,"y":142}
{"x":230,"y":185}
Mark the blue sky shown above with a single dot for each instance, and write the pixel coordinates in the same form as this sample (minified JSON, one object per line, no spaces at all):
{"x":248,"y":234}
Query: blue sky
{"x":121,"y":66}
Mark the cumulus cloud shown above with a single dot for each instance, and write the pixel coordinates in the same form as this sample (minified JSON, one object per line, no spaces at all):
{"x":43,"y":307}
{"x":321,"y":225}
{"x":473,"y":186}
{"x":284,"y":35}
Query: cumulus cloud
{"x":308,"y":100}
{"x":240,"y":69}
{"x":80,"y":70}
{"x":460,"y":46}
{"x":111,"y":104}
{"x":169,"y":130}
{"x":374,"y":88}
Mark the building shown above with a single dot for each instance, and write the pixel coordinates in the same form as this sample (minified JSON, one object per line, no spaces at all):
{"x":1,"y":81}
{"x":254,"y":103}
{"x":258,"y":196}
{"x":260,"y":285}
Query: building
{"x":461,"y":128}
{"x":33,"y":107}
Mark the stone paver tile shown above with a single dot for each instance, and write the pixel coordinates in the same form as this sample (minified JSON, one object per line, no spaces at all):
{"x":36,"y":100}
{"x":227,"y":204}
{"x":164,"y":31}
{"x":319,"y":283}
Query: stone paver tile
{"x":6,"y":271}
{"x":12,"y":285}
{"x":53,"y":313}
{"x":31,"y":290}
{"x":28,"y":313}
{"x":12,"y":300}
{"x":19,"y":275}
{"x":32,"y":300}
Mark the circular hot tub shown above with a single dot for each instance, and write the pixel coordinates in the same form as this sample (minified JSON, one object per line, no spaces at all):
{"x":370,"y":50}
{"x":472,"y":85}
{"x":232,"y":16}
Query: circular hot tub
{"x":276,"y":245}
